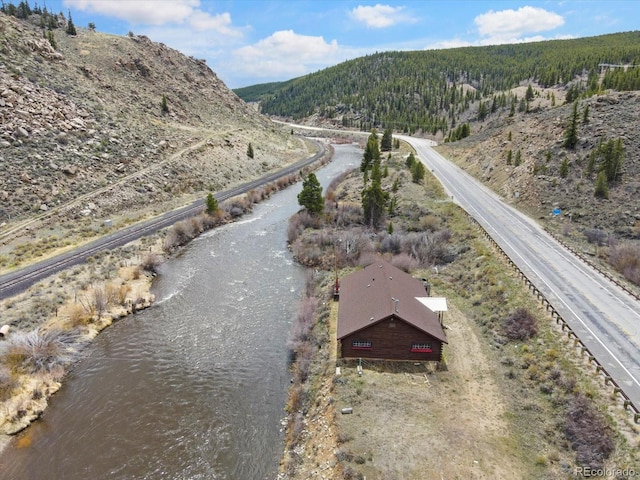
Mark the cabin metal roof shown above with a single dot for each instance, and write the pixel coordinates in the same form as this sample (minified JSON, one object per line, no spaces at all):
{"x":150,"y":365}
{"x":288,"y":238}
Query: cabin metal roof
{"x":382,"y":291}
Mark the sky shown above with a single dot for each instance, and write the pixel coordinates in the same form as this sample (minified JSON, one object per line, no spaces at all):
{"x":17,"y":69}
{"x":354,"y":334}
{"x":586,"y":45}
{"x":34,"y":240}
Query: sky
{"x":247,"y":42}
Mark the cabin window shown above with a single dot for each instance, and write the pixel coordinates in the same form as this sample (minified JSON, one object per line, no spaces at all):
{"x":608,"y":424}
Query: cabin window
{"x":421,"y":347}
{"x":361,"y":345}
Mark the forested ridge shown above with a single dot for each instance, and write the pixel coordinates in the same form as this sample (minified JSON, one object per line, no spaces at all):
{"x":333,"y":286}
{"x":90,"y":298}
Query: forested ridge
{"x":429,"y":90}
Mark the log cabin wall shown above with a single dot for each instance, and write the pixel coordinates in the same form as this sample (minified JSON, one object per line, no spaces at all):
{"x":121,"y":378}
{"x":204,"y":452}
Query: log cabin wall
{"x":391,"y":339}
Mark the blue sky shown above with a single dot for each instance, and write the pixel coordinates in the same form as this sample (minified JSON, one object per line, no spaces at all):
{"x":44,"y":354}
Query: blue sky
{"x":256,"y":41}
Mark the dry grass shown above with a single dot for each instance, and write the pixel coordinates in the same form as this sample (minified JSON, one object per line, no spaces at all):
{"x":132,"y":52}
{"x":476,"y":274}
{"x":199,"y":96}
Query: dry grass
{"x":500,"y":408}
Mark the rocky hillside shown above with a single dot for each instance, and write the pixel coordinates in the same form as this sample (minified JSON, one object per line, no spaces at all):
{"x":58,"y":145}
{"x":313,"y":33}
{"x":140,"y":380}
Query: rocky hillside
{"x":84,"y":135}
{"x":538,"y":185}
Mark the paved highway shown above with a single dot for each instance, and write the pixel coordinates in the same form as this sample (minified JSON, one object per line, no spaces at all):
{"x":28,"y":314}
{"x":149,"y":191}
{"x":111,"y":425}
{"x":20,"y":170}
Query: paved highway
{"x":605,"y":317}
{"x":19,"y":280}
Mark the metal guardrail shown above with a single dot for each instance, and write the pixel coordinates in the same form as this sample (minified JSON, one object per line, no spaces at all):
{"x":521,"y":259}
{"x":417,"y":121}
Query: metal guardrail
{"x":593,"y":265}
{"x":584,"y":350}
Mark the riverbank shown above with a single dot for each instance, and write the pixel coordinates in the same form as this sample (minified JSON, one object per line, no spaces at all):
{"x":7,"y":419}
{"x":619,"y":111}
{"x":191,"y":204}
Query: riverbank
{"x":497,"y":407}
{"x":78,"y":306}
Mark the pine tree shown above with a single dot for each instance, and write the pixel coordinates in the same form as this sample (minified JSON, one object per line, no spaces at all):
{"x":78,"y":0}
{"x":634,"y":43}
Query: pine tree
{"x":571,"y":133}
{"x":410,"y":160}
{"x":585,"y":114}
{"x":250,"y":150}
{"x":564,"y":168}
{"x":387,"y":140}
{"x":52,"y":40}
{"x":374,"y":199}
{"x":509,"y":157}
{"x":211,"y":204}
{"x":310,"y":197}
{"x":518,"y":159}
{"x":529,"y":95}
{"x":71,"y":28}
{"x":602,"y":188}
{"x":371,"y":152}
{"x":163,"y":104}
{"x":417,"y":172}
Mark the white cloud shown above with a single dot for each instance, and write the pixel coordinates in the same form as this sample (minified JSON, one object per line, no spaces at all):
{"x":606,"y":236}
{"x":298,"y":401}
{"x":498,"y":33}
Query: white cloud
{"x":144,"y":12}
{"x":285,"y":54}
{"x":445,"y":44}
{"x":379,"y":16}
{"x":507,"y":26}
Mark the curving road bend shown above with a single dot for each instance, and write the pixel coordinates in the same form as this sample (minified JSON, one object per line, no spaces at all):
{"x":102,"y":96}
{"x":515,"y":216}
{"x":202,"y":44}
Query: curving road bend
{"x":19,"y":280}
{"x":603,"y":316}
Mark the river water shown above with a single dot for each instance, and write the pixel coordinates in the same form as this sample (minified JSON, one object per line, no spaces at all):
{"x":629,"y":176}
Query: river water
{"x":195,"y":386}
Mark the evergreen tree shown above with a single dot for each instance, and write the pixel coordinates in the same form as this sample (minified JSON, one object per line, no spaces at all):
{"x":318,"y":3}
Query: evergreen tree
{"x":310,"y":197}
{"x":564,"y":168}
{"x":585,"y":114}
{"x":52,"y":39}
{"x":410,"y":160}
{"x":211,"y":204}
{"x":163,"y":104}
{"x":509,"y":157}
{"x":529,"y":95}
{"x":417,"y":172}
{"x":602,"y":188}
{"x":613,"y":152}
{"x":387,"y":140}
{"x":71,"y":28}
{"x":374,"y":199}
{"x":250,"y":150}
{"x":571,"y":133}
{"x":518,"y":159}
{"x":371,"y":152}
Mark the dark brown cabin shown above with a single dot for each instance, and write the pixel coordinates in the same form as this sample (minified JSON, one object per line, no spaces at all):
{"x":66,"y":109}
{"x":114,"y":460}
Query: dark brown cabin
{"x":379,"y":316}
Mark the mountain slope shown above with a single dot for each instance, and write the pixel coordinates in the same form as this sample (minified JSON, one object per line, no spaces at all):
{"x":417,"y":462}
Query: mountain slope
{"x":85,"y":120}
{"x":430,"y":91}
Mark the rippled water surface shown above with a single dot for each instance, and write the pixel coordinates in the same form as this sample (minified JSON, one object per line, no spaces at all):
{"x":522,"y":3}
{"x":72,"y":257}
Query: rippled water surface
{"x":194,"y":387}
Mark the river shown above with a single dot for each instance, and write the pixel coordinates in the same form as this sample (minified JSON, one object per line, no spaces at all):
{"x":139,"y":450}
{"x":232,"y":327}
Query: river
{"x":195,"y":386}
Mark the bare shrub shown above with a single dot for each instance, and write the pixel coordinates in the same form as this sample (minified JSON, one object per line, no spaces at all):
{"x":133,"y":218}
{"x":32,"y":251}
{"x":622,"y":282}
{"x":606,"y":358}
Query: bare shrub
{"x":39,"y":351}
{"x":346,"y":215}
{"x":304,"y":356}
{"x":404,"y":262}
{"x":390,"y":243}
{"x":304,"y":321}
{"x":299,"y":222}
{"x":7,"y":383}
{"x":595,"y":235}
{"x":182,"y":232}
{"x":236,"y":207}
{"x":98,"y":300}
{"x":625,"y":258}
{"x":429,"y":248}
{"x":335,"y":183}
{"x":429,"y":223}
{"x":589,"y":434}
{"x":211,"y":221}
{"x":196,"y":225}
{"x":78,"y":315}
{"x":520,"y":325}
{"x":308,"y":254}
{"x":151,"y":262}
{"x":170,"y":242}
